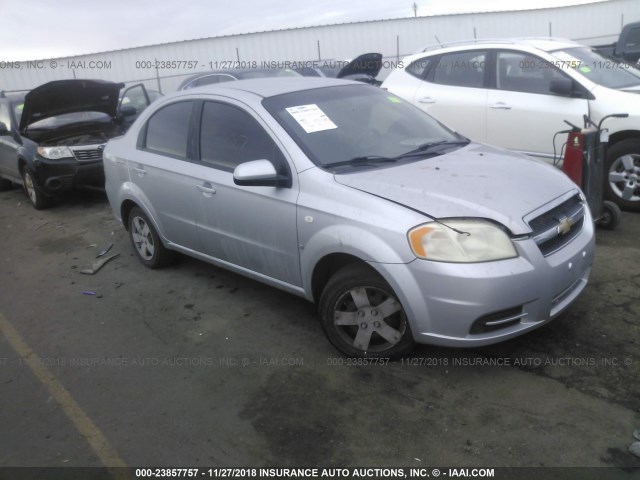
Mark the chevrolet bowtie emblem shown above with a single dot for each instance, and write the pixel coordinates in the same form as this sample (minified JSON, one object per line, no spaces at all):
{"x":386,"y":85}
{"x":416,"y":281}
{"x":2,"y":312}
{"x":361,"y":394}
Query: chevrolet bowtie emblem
{"x":565,"y":225}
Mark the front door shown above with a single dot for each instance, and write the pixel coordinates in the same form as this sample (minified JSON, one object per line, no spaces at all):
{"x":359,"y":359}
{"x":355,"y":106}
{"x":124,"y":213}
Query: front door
{"x":522,"y":113}
{"x":248,"y":226}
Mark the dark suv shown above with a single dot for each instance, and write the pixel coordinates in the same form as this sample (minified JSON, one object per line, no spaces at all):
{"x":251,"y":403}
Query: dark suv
{"x":51,"y":139}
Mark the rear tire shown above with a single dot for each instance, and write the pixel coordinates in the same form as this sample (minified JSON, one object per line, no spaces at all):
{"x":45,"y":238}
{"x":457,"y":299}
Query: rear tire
{"x":362,"y":316}
{"x":622,"y":174}
{"x":146,"y":241}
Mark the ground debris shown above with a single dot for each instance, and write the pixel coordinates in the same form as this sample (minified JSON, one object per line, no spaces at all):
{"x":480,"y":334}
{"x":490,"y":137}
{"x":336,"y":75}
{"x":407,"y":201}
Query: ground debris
{"x":98,"y":264}
{"x":105,"y":251}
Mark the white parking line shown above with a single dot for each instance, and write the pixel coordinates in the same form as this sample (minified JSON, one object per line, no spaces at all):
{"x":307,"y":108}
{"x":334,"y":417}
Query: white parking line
{"x":96,"y":439}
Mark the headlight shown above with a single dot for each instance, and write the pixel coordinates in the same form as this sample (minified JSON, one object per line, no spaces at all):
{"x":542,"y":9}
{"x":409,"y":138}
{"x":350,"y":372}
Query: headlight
{"x":55,"y":153}
{"x":485,"y":242}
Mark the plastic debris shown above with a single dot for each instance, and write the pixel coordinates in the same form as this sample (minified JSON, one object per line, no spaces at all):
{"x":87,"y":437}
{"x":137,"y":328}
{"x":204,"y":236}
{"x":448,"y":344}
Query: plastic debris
{"x":634,"y":449}
{"x":636,"y":434}
{"x":98,"y":264}
{"x":88,"y":292}
{"x":105,"y":251}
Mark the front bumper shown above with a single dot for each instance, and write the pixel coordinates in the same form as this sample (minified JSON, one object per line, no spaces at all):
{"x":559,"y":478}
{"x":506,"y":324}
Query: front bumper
{"x":466,"y":305}
{"x":57,"y":176}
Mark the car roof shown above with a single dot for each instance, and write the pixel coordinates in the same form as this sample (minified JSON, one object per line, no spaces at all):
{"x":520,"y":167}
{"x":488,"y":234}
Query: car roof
{"x":271,"y":86}
{"x":546,"y":44}
{"x":236,"y":73}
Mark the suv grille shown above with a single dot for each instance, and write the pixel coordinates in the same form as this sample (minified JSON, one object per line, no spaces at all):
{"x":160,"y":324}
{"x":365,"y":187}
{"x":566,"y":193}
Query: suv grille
{"x":555,"y":228}
{"x":83,"y":154}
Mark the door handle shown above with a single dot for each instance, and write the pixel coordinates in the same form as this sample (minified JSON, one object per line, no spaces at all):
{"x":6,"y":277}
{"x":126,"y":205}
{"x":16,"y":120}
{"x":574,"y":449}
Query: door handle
{"x":426,"y":100}
{"x":206,"y":189}
{"x":140,"y":171}
{"x":500,"y":106}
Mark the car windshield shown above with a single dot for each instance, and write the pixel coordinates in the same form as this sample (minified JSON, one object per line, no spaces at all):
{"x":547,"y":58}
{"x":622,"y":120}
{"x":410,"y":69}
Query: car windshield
{"x":358,"y":124}
{"x":69,"y":119}
{"x":606,"y":71}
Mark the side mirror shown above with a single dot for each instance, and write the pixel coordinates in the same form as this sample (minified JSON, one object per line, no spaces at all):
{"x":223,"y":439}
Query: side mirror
{"x":259,"y":173}
{"x":128,"y":111}
{"x":561,"y":86}
{"x":4,"y":130}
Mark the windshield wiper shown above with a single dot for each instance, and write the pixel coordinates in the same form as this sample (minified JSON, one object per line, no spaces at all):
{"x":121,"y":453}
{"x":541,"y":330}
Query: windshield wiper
{"x":424,"y":149}
{"x":365,"y":160}
{"x":430,"y":147}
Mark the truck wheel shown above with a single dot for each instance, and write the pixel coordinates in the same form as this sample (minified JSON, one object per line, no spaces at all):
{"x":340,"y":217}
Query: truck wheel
{"x":622,"y":172}
{"x":362,"y":316}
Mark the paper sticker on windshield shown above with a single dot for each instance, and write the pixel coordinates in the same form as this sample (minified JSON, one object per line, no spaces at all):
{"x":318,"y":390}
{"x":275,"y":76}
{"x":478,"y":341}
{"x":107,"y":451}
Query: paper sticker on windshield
{"x":311,"y":118}
{"x":585,"y":69}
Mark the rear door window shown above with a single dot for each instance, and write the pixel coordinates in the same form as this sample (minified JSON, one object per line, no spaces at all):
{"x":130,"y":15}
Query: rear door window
{"x":167,"y":131}
{"x":461,"y":69}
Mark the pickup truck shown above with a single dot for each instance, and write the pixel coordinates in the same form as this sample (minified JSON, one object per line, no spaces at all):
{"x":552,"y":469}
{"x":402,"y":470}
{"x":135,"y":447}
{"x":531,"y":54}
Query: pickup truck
{"x":627,"y":47}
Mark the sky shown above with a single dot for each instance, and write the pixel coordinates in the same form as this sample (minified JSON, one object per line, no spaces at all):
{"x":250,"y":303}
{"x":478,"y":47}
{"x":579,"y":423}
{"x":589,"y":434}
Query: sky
{"x":41,"y":29}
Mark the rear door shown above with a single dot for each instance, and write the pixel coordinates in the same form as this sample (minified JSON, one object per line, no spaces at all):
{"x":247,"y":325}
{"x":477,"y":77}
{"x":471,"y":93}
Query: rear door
{"x":454,"y":92}
{"x":163,"y":169}
{"x":522,"y":112}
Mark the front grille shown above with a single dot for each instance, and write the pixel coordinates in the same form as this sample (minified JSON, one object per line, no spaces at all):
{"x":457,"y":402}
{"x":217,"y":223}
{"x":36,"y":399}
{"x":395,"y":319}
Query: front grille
{"x":557,"y":227}
{"x":86,"y":154}
{"x":550,"y":219}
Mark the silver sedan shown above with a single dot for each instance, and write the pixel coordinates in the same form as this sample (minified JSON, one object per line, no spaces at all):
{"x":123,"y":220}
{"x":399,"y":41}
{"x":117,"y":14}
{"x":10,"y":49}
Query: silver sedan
{"x":401,"y":230}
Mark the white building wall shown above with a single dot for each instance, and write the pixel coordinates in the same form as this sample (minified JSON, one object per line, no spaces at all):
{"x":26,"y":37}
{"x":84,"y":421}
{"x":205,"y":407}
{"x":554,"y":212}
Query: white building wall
{"x":596,"y":23}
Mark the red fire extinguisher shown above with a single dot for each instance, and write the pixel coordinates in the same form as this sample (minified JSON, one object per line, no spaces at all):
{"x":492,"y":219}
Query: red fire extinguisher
{"x":574,"y":156}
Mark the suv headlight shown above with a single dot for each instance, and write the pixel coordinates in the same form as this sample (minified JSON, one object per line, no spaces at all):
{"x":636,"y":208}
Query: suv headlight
{"x":55,"y":153}
{"x":481,"y":241}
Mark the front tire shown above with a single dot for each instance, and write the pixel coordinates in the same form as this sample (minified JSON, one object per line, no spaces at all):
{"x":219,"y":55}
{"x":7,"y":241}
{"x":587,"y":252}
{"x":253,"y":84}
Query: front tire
{"x":622,"y":174}
{"x":38,"y":199}
{"x":146,"y":241}
{"x":362,"y":316}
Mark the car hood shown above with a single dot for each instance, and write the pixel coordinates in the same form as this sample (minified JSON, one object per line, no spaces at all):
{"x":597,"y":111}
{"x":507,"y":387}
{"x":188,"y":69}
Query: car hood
{"x":68,"y":96}
{"x":366,"y":64}
{"x":475,"y":181}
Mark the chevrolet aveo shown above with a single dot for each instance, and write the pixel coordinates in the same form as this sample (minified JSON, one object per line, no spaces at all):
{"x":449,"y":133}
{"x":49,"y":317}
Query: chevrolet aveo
{"x":401,"y":230}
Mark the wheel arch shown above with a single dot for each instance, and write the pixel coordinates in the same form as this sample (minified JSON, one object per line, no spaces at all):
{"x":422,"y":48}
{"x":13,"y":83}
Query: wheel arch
{"x":125,"y":210}
{"x":623,"y":135}
{"x":327,"y":266}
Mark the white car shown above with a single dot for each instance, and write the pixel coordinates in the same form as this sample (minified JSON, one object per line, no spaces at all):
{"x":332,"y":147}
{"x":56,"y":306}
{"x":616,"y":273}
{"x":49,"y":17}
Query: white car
{"x":517,"y":93}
